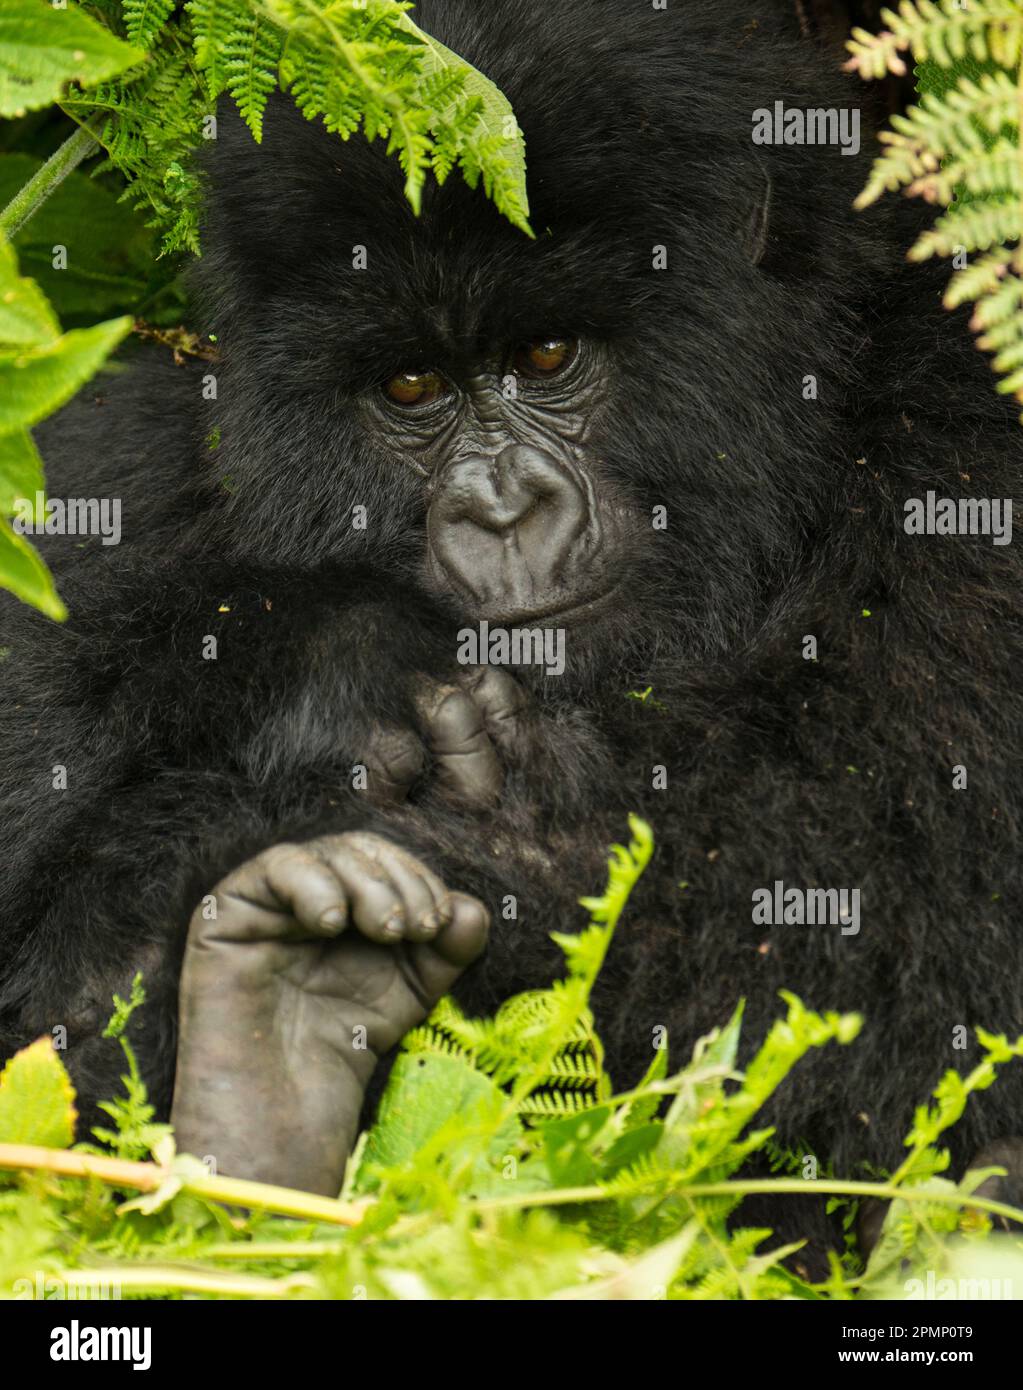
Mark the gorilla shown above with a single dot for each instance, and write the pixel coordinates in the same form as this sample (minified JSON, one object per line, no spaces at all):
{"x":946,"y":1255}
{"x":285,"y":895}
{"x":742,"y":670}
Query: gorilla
{"x":478,"y":543}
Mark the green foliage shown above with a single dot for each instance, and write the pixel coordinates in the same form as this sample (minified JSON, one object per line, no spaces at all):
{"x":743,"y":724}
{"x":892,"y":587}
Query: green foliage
{"x":40,"y":368}
{"x":351,"y":63}
{"x":134,"y":1134}
{"x":959,"y":148}
{"x":503,"y":1164}
{"x":42,"y":49}
{"x":144,"y":20}
{"x":111,"y":265}
{"x":36,"y":1099}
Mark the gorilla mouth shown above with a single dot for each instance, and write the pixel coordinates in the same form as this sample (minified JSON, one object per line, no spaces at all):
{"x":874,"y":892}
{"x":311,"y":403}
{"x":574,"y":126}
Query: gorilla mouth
{"x":573,"y":612}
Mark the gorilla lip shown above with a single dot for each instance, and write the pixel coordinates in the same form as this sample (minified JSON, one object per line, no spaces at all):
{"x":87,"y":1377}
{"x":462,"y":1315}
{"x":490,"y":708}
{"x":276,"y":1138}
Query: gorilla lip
{"x":588,"y":608}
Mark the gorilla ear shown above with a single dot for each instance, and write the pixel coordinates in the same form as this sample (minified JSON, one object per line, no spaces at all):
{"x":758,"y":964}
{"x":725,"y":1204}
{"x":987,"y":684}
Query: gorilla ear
{"x":759,"y":225}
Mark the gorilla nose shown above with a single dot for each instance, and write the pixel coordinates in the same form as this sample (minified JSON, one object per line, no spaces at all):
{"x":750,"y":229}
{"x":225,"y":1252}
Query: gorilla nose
{"x":497,"y":493}
{"x":512,"y":529}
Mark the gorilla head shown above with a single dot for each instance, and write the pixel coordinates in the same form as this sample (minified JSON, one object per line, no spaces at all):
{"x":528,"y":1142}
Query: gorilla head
{"x":600,"y":425}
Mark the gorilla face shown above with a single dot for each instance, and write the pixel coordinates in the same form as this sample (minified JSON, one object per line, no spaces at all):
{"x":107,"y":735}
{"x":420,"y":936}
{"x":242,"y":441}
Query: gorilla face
{"x":519,"y":523}
{"x":603,"y":425}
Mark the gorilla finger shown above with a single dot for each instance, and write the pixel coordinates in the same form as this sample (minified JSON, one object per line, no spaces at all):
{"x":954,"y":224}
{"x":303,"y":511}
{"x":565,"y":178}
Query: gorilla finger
{"x":467,"y":765}
{"x":440,"y":963}
{"x":393,"y":760}
{"x":374,"y":905}
{"x":502,"y":702}
{"x":311,"y":891}
{"x":420,"y":901}
{"x":284,"y":892}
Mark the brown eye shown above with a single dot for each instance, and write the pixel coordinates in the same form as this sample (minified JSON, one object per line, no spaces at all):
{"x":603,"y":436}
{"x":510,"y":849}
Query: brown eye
{"x":544,"y":357}
{"x":415,"y":388}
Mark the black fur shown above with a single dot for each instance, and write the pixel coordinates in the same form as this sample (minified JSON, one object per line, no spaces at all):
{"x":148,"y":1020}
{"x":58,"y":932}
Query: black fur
{"x":785,"y":520}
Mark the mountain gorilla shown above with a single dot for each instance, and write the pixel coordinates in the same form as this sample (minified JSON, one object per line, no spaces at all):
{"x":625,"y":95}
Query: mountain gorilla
{"x":674,"y":434}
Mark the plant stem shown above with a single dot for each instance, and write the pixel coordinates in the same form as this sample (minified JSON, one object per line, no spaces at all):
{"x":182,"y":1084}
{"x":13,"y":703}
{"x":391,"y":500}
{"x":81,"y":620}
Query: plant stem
{"x":42,"y":183}
{"x":147,"y":1177}
{"x":143,"y":1278}
{"x":770,"y":1186}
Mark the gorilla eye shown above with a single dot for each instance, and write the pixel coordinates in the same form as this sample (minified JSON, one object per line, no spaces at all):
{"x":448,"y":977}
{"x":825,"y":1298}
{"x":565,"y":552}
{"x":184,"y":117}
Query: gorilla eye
{"x":416,"y":388}
{"x":544,"y":357}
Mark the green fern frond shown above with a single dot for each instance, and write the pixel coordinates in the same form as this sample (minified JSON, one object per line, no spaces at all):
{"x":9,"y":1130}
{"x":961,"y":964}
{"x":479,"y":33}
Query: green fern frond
{"x":955,"y":124}
{"x":943,"y":33}
{"x":549,"y":1105}
{"x":148,"y":128}
{"x":250,"y":59}
{"x":214,"y":25}
{"x":144,"y":20}
{"x":959,"y":148}
{"x":981,"y":224}
{"x":542,"y":1044}
{"x":978,"y":279}
{"x":351,"y":63}
{"x":995,"y":170}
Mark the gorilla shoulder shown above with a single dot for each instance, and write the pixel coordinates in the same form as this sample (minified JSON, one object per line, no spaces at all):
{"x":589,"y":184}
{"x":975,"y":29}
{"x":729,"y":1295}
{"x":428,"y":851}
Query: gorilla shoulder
{"x":131,"y":442}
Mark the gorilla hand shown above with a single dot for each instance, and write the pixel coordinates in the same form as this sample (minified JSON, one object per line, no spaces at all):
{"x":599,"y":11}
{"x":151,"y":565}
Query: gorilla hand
{"x":468,"y":727}
{"x":321,"y":957}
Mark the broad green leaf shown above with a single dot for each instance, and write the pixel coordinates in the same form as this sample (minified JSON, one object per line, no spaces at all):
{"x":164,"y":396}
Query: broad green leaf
{"x":424,"y":1092}
{"x":111,"y":253}
{"x":33,"y":384}
{"x":37,"y":1098}
{"x":570,"y":1147}
{"x":21,"y":469}
{"x":42,"y":49}
{"x":26,"y":319}
{"x":23,"y":572}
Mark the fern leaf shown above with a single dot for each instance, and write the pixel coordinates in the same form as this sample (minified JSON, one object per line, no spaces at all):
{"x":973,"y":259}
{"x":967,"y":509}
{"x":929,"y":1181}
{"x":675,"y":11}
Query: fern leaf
{"x":978,"y":279}
{"x":944,"y":33}
{"x":980,"y":225}
{"x":144,"y":20}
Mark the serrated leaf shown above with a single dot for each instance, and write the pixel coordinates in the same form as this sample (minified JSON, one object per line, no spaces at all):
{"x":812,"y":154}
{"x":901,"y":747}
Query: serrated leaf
{"x":26,"y":319}
{"x":43,"y":49}
{"x":144,"y":19}
{"x":24,"y":574}
{"x":37,"y":1098}
{"x":34,"y":383}
{"x":21,"y":469}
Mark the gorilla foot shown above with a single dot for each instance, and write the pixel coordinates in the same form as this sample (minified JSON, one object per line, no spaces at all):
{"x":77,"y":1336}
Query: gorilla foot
{"x":305,"y":965}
